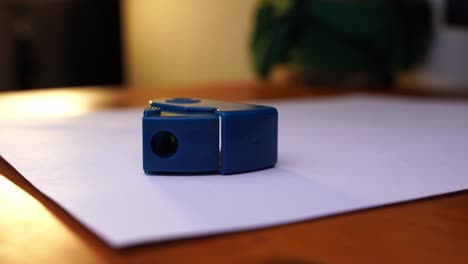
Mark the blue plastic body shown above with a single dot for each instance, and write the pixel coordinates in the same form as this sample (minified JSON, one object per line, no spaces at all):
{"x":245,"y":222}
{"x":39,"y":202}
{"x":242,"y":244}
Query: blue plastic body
{"x":196,"y":136}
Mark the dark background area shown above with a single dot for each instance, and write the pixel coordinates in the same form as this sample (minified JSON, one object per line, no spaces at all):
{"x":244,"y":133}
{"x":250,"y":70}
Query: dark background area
{"x":52,"y":43}
{"x":56,"y":43}
{"x":457,"y":12}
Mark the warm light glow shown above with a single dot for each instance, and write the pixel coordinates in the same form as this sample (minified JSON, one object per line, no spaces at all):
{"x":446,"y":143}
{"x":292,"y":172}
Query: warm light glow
{"x":13,"y":198}
{"x":39,"y":104}
{"x":19,"y":211}
{"x":30,"y":233}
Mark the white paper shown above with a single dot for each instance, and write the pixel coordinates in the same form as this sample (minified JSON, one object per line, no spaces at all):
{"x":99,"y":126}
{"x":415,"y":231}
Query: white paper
{"x":335,"y":155}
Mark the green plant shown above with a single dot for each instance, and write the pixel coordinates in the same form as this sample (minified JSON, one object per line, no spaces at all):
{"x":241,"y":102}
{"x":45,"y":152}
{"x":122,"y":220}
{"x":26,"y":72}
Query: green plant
{"x":376,"y":37}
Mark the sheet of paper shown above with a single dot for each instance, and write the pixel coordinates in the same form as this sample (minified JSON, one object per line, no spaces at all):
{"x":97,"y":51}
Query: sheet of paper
{"x":335,"y":155}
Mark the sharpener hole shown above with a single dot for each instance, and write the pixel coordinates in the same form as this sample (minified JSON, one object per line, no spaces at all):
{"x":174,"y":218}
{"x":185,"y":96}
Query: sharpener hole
{"x":164,"y":144}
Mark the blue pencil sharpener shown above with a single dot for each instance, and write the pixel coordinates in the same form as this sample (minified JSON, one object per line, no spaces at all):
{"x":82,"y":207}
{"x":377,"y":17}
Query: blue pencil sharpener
{"x":197,"y":136}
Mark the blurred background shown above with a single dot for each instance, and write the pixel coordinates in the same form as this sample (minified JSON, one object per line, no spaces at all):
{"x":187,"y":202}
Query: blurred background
{"x":56,"y":43}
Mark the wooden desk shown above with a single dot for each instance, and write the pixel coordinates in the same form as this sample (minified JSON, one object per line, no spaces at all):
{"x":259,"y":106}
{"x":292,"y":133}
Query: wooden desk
{"x":35,"y":230}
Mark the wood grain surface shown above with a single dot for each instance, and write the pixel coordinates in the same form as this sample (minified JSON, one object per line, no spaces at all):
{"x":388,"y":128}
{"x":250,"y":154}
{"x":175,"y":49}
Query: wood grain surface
{"x":33,"y":229}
